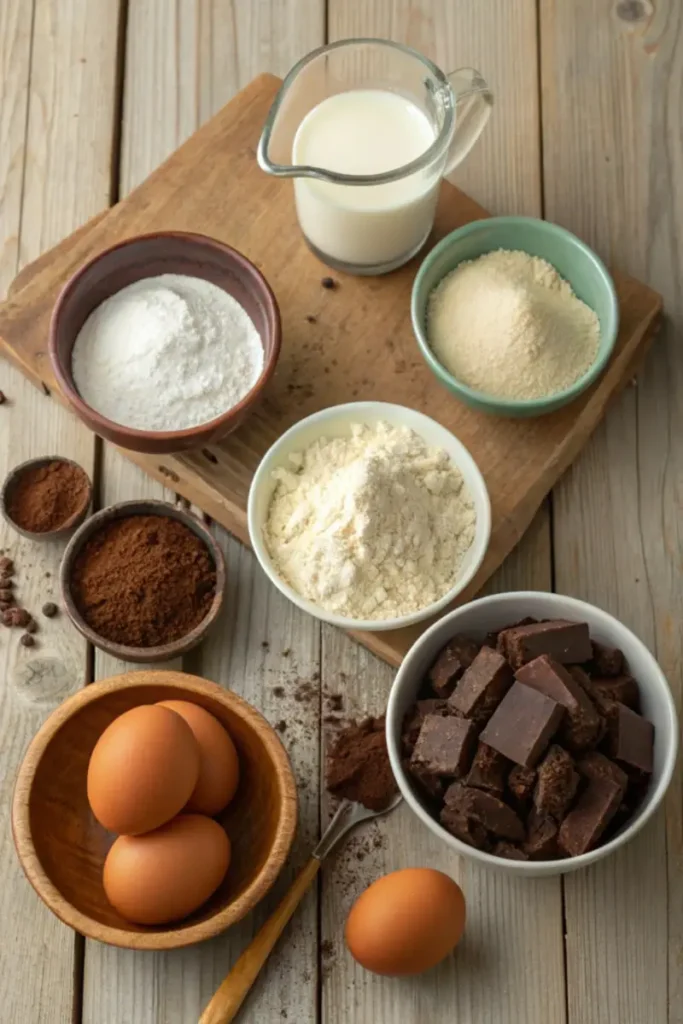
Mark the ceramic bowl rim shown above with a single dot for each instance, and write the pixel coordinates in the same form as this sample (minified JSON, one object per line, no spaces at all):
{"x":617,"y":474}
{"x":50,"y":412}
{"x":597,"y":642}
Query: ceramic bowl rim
{"x":493,"y":403}
{"x":170,"y":938}
{"x":108,"y":427}
{"x":538,"y":868}
{"x":69,"y":524}
{"x":142,"y":506}
{"x":481,"y":540}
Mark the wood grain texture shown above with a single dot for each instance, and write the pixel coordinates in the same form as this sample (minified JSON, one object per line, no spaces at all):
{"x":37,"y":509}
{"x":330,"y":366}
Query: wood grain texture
{"x":230,"y":995}
{"x":48,"y":78}
{"x":520,"y":459}
{"x":183,"y":61}
{"x":613,"y":160}
{"x":509,"y":967}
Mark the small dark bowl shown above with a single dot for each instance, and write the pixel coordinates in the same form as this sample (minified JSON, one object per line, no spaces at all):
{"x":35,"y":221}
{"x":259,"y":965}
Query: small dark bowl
{"x":144,"y":655}
{"x":69,"y":524}
{"x":171,"y":252}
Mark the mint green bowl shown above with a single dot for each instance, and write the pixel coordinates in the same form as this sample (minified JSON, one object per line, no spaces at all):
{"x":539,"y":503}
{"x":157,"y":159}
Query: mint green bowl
{"x":572,"y":259}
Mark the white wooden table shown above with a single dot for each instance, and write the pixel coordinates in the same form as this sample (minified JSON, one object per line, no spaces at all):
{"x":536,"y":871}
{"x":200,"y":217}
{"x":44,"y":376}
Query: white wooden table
{"x":587,"y":131}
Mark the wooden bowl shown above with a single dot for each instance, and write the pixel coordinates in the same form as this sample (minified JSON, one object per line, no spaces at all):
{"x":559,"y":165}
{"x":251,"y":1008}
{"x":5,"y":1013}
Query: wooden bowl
{"x":62,"y":847}
{"x":141,"y":655}
{"x":164,"y":252}
{"x":69,"y":524}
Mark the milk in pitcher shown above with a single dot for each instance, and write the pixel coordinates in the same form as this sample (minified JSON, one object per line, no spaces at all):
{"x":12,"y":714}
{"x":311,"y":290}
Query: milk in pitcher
{"x":365,"y":132}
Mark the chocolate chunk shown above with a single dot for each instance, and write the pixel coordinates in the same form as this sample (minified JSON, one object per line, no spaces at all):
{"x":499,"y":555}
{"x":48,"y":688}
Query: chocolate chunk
{"x":486,"y":809}
{"x":557,"y":784}
{"x":6,"y":566}
{"x":541,"y":838}
{"x":566,"y":642}
{"x":445,"y":746}
{"x":488,"y":770}
{"x":523,"y":724}
{"x":509,"y":851}
{"x":595,"y":808}
{"x":482,"y":687}
{"x":616,"y":688}
{"x":521,"y":783}
{"x":451,"y":663}
{"x":630,"y":738}
{"x":50,"y":609}
{"x":430,"y":786}
{"x":467,"y":830}
{"x":594,"y":765}
{"x":497,"y":639}
{"x":582,"y":724}
{"x":607,"y":661}
{"x":27,"y":640}
{"x":412,"y":723}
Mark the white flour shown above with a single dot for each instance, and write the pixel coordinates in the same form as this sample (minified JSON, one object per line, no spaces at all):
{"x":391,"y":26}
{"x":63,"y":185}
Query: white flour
{"x":370,"y":526}
{"x":507,"y":324}
{"x":167,"y":353}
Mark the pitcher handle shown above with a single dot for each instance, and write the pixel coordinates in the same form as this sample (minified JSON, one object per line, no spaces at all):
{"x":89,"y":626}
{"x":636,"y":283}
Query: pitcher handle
{"x":473,"y":103}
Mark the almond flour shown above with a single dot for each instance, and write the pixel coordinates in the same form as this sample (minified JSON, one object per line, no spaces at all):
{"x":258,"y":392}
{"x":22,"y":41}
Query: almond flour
{"x":508,"y":325}
{"x":370,"y":526}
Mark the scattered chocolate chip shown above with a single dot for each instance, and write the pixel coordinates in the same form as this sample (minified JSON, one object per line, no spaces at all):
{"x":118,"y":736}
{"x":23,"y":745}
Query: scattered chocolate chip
{"x":281,"y":726}
{"x":21,"y":617}
{"x":31,"y":626}
{"x":312,"y":319}
{"x":6,"y":566}
{"x":50,"y":609}
{"x":329,"y":283}
{"x":2,"y":398}
{"x":27,"y":640}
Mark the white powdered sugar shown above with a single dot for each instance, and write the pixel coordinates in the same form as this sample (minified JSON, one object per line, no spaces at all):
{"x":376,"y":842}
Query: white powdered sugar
{"x":167,"y":353}
{"x":370,"y":526}
{"x":508,"y":325}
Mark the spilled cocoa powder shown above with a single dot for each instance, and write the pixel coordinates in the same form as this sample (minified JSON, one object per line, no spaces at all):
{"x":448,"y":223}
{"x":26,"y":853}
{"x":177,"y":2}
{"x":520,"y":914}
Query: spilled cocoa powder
{"x":143,"y":581}
{"x":358,"y":765}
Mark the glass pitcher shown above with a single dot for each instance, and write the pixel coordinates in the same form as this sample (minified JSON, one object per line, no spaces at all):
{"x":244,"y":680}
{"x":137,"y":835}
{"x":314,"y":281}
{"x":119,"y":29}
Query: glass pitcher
{"x":370,"y":104}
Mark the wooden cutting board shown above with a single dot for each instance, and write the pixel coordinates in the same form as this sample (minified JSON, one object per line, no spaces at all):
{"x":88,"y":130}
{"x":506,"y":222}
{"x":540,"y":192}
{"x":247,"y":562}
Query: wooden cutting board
{"x":354,"y":342}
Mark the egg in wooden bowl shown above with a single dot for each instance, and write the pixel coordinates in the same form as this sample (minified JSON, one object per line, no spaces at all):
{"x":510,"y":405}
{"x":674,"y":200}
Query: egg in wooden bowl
{"x":62,"y":846}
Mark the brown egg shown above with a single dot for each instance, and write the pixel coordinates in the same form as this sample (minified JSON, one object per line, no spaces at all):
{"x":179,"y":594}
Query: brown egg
{"x":166,"y":874}
{"x":142,"y":770}
{"x":219,"y":769}
{"x":406,"y":922}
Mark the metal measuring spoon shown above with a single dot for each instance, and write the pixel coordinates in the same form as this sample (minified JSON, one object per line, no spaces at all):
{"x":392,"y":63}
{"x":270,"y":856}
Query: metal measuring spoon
{"x":233,"y":990}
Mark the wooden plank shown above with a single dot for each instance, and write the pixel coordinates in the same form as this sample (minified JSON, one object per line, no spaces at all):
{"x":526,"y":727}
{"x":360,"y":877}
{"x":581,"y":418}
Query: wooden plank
{"x":613,"y":161}
{"x":54,"y":173}
{"x":182,"y":65}
{"x":521,"y":459}
{"x":510,"y":965}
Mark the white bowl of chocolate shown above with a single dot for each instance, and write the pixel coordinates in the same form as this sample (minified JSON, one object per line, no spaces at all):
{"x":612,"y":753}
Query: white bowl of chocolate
{"x":532,"y":732}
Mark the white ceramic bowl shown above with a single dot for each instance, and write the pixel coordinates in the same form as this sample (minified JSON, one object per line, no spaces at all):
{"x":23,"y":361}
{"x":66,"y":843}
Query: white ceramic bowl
{"x":490,"y":613}
{"x":336,"y":422}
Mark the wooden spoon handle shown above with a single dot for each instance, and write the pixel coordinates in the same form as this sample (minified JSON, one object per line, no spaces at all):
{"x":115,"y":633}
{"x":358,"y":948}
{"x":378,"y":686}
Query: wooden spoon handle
{"x":233,"y":990}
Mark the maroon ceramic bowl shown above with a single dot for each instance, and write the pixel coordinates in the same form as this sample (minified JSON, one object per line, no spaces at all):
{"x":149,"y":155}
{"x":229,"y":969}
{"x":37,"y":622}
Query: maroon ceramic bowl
{"x":170,"y":252}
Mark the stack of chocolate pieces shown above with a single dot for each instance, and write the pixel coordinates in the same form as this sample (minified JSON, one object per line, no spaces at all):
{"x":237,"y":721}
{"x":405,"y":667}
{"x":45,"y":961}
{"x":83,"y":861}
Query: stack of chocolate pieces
{"x":530,"y":746}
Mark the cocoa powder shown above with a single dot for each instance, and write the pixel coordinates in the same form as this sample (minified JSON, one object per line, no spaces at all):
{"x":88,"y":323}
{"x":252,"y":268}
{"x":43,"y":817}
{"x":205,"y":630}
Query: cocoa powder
{"x":46,"y":497}
{"x":358,"y":765}
{"x":143,"y":581}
